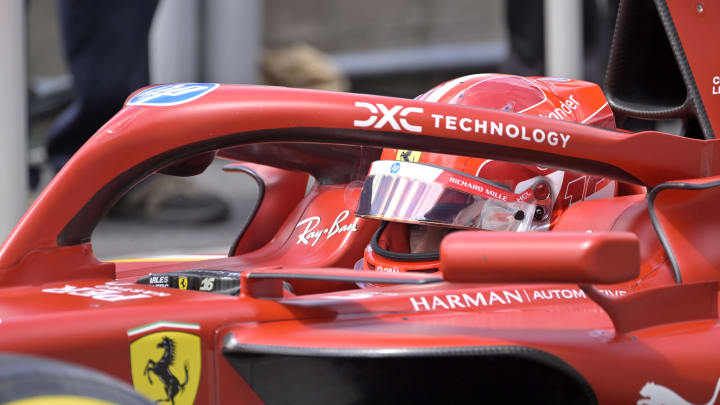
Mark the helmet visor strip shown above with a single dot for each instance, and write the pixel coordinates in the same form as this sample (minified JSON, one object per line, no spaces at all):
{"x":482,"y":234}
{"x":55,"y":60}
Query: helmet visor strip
{"x":424,"y":194}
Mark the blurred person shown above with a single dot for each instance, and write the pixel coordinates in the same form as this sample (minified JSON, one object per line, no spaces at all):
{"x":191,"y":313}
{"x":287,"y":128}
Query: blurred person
{"x":302,"y":65}
{"x":106,"y":47}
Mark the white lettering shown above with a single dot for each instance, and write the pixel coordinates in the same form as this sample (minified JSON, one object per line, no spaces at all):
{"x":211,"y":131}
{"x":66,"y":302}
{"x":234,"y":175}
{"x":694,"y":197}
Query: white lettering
{"x":538,"y":135}
{"x":454,"y":300}
{"x":388,"y":116}
{"x":496,"y":128}
{"x":437,"y":118}
{"x":105,"y":292}
{"x":207,"y":284}
{"x":524,"y":136}
{"x":565,"y":139}
{"x":512,"y":296}
{"x":552,"y":138}
{"x":118,"y":287}
{"x":369,"y":121}
{"x":466,"y":184}
{"x":154,"y":280}
{"x":404,"y":122}
{"x":312,"y":223}
{"x":570,"y":294}
{"x":437,"y":302}
{"x":495,"y":297}
{"x":311,"y":236}
{"x":454,"y":123}
{"x":417,"y":304}
{"x":616,"y":293}
{"x":494,"y":194}
{"x":540,"y":295}
{"x":479,"y":299}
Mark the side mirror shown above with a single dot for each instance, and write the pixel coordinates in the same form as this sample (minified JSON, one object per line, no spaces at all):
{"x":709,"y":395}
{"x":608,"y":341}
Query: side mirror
{"x":540,"y":257}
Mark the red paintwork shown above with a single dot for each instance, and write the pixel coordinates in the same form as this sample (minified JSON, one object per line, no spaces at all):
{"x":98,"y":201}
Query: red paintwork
{"x":555,"y":257}
{"x":649,"y":329}
{"x":282,"y":191}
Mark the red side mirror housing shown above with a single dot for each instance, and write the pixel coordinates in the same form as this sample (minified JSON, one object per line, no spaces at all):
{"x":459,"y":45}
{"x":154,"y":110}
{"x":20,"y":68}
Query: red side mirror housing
{"x":540,"y":257}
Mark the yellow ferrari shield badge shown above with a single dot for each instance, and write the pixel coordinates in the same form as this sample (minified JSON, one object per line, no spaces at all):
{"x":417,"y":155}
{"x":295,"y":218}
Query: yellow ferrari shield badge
{"x":408,"y":155}
{"x":166,"y":366}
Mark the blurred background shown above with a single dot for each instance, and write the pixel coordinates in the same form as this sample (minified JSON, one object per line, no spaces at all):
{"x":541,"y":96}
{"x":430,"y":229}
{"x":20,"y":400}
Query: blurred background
{"x":398,"y":48}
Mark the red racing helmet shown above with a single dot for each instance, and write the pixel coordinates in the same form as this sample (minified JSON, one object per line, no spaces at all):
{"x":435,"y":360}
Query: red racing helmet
{"x":420,"y":196}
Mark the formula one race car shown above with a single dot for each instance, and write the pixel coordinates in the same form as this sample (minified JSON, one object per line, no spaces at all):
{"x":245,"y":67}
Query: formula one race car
{"x":496,"y":239}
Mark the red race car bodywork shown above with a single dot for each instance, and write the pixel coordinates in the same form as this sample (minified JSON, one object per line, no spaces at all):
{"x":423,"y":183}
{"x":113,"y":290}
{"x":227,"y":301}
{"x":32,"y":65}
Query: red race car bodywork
{"x":616,"y":304}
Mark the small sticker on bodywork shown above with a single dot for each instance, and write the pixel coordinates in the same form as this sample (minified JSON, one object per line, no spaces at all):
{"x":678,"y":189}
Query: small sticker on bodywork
{"x":408,"y":155}
{"x":166,"y":366}
{"x":111,"y":292}
{"x":172,"y":94}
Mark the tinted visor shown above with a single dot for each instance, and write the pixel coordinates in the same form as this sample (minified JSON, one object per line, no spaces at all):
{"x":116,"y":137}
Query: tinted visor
{"x":425,"y":194}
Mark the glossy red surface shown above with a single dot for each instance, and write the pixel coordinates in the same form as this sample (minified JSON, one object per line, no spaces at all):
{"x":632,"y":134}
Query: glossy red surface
{"x":640,"y":329}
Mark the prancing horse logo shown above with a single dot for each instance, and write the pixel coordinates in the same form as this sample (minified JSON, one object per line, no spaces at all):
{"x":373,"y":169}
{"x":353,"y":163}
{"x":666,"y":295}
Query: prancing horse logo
{"x":161,"y":369}
{"x":166,"y":366}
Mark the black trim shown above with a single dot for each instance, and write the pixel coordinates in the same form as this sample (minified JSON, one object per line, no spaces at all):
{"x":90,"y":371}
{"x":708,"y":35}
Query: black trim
{"x":231,"y":345}
{"x":648,"y":74}
{"x":256,"y":363}
{"x":685,"y":70}
{"x":403,"y":257}
{"x":360,"y":278}
{"x":261,"y":195}
{"x":79,"y":229}
{"x":329,"y":164}
{"x":651,"y":195}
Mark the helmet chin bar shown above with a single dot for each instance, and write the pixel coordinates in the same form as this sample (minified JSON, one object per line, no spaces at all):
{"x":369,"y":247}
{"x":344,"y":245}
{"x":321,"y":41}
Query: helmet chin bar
{"x":377,"y":258}
{"x":381,"y":252}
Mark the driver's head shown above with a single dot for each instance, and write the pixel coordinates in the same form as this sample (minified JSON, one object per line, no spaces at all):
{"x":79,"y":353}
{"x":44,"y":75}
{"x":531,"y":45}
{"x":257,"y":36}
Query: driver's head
{"x":422,"y":196}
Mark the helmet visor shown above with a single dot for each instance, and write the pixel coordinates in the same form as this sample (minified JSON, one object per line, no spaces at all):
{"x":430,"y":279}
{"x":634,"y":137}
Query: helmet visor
{"x":425,"y":194}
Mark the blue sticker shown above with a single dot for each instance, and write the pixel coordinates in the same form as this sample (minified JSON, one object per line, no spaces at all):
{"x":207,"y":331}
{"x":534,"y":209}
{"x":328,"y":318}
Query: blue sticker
{"x":395,"y":168}
{"x":172,"y":94}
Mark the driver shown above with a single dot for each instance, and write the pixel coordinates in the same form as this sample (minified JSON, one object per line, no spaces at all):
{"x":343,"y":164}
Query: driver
{"x":421,"y":197}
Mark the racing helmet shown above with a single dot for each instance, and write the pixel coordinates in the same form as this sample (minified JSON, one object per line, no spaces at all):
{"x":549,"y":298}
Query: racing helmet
{"x":420,"y":197}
